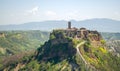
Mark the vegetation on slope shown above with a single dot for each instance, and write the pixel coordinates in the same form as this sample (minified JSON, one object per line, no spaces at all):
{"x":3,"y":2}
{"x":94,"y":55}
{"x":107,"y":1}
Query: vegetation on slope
{"x":12,"y":42}
{"x":59,"y":54}
{"x":99,"y":57}
{"x":112,"y":41}
{"x":110,"y":36}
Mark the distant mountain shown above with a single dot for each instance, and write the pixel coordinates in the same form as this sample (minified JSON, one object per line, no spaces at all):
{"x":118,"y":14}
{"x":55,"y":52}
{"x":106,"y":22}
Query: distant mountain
{"x":102,"y":25}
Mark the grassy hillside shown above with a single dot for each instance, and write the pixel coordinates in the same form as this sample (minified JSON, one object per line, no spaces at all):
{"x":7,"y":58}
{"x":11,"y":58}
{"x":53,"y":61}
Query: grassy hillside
{"x":112,"y":40}
{"x":110,"y":36}
{"x":12,"y":42}
{"x":62,"y":53}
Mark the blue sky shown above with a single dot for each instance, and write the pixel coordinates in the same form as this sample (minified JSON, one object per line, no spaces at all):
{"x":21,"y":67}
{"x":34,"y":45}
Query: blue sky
{"x":22,"y":11}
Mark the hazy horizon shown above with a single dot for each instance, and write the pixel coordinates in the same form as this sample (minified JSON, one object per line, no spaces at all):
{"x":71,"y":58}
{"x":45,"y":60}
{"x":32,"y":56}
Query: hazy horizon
{"x":23,"y":11}
{"x":58,"y":20}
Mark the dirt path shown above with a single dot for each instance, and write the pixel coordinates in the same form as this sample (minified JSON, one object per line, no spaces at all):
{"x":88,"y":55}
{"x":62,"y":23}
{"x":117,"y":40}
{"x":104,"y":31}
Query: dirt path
{"x":77,"y":47}
{"x":87,"y":65}
{"x":19,"y":66}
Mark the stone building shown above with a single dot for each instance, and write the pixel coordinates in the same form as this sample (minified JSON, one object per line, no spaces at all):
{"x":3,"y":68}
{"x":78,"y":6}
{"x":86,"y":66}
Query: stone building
{"x":81,"y":33}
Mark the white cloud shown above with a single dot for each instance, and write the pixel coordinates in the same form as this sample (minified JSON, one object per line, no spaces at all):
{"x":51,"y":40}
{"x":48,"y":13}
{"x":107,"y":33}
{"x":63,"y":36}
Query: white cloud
{"x":50,"y":13}
{"x":33,"y":10}
{"x":70,"y":15}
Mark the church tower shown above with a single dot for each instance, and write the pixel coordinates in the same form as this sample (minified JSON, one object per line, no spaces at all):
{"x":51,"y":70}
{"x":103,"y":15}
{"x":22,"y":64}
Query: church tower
{"x":69,"y":25}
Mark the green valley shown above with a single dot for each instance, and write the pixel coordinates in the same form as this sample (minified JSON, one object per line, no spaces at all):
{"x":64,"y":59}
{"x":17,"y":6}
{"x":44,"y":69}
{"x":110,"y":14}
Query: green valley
{"x":69,"y":49}
{"x":13,"y":42}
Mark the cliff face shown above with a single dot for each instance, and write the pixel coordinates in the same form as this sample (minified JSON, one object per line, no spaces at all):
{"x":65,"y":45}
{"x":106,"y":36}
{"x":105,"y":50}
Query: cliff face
{"x":82,"y":49}
{"x":94,"y":36}
{"x":71,"y":50}
{"x":2,"y":35}
{"x":56,"y":49}
{"x":81,"y":33}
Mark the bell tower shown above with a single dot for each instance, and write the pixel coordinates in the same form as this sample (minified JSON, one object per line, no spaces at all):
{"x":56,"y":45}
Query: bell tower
{"x":69,"y":25}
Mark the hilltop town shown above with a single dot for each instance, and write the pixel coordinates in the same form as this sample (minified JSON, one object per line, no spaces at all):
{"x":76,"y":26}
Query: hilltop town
{"x":81,"y":33}
{"x":70,"y":49}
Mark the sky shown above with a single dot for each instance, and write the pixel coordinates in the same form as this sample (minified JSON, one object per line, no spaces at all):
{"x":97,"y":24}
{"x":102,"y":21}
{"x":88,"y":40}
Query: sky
{"x":22,"y":11}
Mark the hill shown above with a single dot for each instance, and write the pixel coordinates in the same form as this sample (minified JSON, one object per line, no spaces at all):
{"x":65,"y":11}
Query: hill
{"x":112,"y":41}
{"x":107,"y":25}
{"x":69,"y":50}
{"x":110,"y":36}
{"x":13,"y":42}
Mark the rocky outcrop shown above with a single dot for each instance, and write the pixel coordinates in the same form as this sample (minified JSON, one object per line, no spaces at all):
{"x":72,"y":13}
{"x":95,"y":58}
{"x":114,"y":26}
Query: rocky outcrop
{"x":94,"y":36}
{"x":2,"y":35}
{"x":56,"y":49}
{"x":81,"y":33}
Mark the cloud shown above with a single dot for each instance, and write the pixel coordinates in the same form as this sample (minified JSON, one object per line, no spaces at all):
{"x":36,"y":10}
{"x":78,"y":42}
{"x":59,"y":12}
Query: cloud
{"x":33,"y":10}
{"x":72,"y":15}
{"x":50,"y":13}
